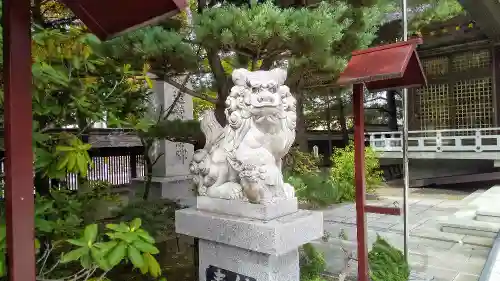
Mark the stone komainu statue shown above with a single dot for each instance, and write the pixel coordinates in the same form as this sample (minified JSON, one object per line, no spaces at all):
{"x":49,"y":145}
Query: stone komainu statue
{"x":242,"y":160}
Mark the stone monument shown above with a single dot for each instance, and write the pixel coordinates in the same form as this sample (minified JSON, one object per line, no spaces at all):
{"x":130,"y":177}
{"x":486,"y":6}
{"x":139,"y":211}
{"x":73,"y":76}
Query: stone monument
{"x":171,"y":176}
{"x":246,"y":217}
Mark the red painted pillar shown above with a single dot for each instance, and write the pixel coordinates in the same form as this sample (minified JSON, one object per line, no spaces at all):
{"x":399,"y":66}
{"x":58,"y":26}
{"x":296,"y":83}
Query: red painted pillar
{"x":359,"y":172}
{"x":18,"y":139}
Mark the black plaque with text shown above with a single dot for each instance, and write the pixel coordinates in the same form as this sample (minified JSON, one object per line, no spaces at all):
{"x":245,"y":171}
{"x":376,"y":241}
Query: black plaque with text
{"x":214,"y":273}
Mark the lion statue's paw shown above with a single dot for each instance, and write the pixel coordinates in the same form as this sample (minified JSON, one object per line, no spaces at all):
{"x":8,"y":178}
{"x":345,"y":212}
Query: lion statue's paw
{"x":228,"y":190}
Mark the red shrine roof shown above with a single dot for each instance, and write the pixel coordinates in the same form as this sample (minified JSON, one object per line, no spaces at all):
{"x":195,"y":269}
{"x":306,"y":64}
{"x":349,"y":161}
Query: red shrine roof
{"x":386,"y":67}
{"x":108,"y":18}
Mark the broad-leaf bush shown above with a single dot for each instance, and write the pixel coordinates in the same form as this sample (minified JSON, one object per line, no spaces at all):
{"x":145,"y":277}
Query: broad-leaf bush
{"x":124,"y":242}
{"x":158,"y":216}
{"x":70,"y":242}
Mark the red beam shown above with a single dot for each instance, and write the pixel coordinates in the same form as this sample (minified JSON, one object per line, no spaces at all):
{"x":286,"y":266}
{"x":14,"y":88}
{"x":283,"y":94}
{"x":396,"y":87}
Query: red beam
{"x":18,"y":139}
{"x":359,"y":172}
{"x":383,"y":210}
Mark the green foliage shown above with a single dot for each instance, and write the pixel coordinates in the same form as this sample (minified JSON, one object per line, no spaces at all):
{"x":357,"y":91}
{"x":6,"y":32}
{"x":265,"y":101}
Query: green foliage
{"x":62,"y":217}
{"x":433,"y":11}
{"x":319,"y":190}
{"x":342,"y":172}
{"x":73,"y":83}
{"x":312,"y":264}
{"x":387,"y":262}
{"x":301,"y":163}
{"x":314,"y":43}
{"x":157,"y":216}
{"x":68,"y":155}
{"x":124,"y":243}
{"x":200,"y":105}
{"x":316,"y":189}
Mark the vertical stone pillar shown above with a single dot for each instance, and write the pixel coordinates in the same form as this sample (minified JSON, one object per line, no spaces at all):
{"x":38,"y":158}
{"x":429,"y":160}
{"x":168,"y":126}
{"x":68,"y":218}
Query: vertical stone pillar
{"x":171,"y":177}
{"x":240,"y":241}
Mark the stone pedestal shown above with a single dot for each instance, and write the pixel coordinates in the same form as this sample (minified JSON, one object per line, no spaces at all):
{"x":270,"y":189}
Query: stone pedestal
{"x":171,"y":176}
{"x":249,"y":241}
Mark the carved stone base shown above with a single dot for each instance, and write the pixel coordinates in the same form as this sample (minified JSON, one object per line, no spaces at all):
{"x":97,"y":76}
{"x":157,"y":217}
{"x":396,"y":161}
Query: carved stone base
{"x":234,"y":262}
{"x":246,"y":209}
{"x":246,"y":248}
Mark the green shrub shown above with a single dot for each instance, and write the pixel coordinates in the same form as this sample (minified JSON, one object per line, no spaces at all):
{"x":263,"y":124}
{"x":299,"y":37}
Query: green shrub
{"x":387,"y":263}
{"x":157,"y":216}
{"x":300,"y":163}
{"x":342,"y":172}
{"x":315,"y":189}
{"x":312,"y":264}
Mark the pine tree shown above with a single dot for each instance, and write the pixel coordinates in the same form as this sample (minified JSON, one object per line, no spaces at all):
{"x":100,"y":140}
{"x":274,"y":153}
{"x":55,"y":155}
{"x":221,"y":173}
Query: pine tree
{"x":313,"y":43}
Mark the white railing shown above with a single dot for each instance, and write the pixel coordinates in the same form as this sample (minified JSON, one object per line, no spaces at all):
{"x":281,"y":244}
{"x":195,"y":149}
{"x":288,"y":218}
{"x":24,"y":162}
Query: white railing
{"x":459,"y":140}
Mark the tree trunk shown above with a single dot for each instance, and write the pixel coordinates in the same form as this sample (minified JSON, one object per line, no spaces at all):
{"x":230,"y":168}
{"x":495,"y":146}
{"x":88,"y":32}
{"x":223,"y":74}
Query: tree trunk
{"x":343,"y":120}
{"x":223,"y":85}
{"x":301,"y":137}
{"x":149,"y":175}
{"x":392,"y":110}
{"x":220,"y":115}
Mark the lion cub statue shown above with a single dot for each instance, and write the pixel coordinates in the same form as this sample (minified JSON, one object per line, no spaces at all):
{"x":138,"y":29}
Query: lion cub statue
{"x":242,"y":161}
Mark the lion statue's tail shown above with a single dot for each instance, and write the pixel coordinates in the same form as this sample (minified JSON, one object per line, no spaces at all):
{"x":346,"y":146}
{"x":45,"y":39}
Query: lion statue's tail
{"x":200,"y":166}
{"x":211,"y":129}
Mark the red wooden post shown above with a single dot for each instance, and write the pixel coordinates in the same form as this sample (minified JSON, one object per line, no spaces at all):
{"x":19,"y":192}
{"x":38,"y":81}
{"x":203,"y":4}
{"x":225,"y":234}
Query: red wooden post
{"x":379,"y":68}
{"x":359,"y":164}
{"x":18,"y":138}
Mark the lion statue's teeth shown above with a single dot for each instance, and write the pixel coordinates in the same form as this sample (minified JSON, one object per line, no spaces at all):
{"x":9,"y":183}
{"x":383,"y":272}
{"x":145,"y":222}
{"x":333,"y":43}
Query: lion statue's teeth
{"x":242,"y":161}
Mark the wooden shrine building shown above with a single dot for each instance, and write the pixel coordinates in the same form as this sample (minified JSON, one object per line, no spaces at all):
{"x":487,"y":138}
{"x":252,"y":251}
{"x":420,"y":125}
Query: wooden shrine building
{"x":457,"y":115}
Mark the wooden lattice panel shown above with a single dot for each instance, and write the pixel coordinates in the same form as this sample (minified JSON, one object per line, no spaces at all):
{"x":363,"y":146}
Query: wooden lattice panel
{"x":434,"y":101}
{"x":473,"y":103}
{"x":471,"y":59}
{"x":435,"y":66}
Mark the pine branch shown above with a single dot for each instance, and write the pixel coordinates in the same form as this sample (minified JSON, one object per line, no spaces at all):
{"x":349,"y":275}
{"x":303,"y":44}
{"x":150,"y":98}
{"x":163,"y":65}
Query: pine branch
{"x":188,"y":91}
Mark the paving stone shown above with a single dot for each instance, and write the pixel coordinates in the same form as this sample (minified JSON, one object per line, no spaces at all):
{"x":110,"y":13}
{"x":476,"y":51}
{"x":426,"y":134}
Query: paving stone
{"x":412,"y":225}
{"x":434,"y":234}
{"x":455,"y":262}
{"x":417,"y":260}
{"x":472,"y":250}
{"x":381,"y":226}
{"x":420,"y":276}
{"x":434,"y":255}
{"x":479,"y":241}
{"x":441,"y":273}
{"x":434,"y":214}
{"x":390,"y":219}
{"x":435,"y":245}
{"x":477,"y":259}
{"x":466,"y":277}
{"x":465,"y":231}
{"x":431,"y":201}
